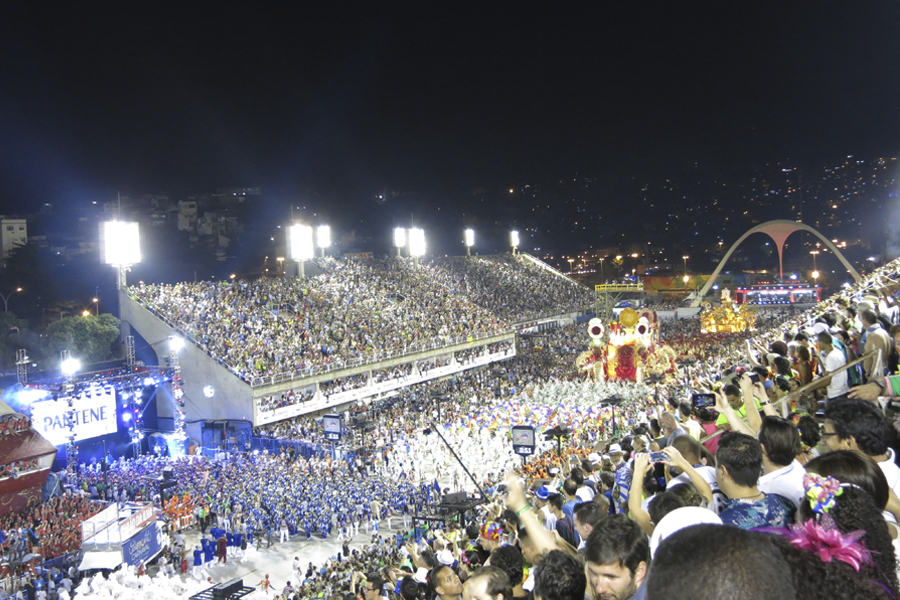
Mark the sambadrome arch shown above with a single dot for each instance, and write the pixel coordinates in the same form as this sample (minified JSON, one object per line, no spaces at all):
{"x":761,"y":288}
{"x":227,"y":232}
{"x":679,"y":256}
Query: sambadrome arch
{"x":778,"y":230}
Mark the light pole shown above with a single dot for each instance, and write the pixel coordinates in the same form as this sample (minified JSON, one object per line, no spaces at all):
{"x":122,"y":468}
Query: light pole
{"x":300,"y":244}
{"x":684,"y":258}
{"x":601,"y":269}
{"x":323,"y":238}
{"x":571,"y":260}
{"x":815,"y":273}
{"x":514,"y":240}
{"x":399,"y":239}
{"x":417,"y":245}
{"x":96,"y":302}
{"x":6,"y":299}
{"x":469,"y":240}
{"x":69,"y":367}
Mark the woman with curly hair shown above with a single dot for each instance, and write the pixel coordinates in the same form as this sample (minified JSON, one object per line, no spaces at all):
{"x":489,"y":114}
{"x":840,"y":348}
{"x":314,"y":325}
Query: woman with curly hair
{"x":855,"y":510}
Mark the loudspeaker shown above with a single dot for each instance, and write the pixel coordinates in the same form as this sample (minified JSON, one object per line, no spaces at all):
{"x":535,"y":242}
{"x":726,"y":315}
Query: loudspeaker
{"x":457,"y":498}
{"x":223,"y":591}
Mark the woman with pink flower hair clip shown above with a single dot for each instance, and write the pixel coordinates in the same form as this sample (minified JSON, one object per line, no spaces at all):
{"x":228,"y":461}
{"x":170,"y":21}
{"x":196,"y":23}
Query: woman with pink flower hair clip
{"x":842,"y":522}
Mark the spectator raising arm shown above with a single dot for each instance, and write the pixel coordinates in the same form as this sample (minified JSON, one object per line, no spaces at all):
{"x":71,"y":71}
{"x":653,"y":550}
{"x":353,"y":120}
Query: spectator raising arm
{"x":736,"y":423}
{"x":635,"y":494}
{"x":677,"y":460}
{"x":516,"y":501}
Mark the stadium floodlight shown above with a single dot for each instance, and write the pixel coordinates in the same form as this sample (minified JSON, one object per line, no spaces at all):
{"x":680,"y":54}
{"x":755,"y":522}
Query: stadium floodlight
{"x":399,"y":238}
{"x":70,"y":366}
{"x":176,"y":343}
{"x":514,"y":240}
{"x":416,"y":242}
{"x":470,"y":240}
{"x":323,"y":237}
{"x":300,"y":244}
{"x":121,"y":245}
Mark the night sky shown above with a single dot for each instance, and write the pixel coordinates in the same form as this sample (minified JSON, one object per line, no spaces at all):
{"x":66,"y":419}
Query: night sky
{"x":335,"y":100}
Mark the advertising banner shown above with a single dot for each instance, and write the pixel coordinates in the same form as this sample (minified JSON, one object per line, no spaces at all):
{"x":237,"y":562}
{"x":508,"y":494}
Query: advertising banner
{"x":95,"y":415}
{"x":136,"y":522}
{"x":141,"y":547}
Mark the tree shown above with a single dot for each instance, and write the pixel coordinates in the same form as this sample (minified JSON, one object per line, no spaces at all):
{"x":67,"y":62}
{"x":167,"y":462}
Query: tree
{"x":31,"y":267}
{"x":89,"y":339}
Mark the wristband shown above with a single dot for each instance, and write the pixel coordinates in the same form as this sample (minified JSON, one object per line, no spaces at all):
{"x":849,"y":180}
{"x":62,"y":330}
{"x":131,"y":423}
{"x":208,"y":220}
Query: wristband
{"x":767,"y":403}
{"x":523,"y":509}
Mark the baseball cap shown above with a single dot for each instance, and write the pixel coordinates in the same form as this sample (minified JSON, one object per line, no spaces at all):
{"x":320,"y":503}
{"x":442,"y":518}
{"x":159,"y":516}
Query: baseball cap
{"x":594,"y":458}
{"x":615,"y":448}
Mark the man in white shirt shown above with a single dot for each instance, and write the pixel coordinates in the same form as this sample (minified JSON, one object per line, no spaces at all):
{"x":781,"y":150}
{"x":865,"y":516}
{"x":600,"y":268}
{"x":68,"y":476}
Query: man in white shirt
{"x":542,"y":494}
{"x":832,"y":360}
{"x":860,"y":425}
{"x":690,"y":450}
{"x":782,"y":473}
{"x":584,"y":493}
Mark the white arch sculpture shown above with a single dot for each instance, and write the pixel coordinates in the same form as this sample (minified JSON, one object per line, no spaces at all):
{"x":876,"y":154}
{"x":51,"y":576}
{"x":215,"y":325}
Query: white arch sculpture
{"x":778,"y":230}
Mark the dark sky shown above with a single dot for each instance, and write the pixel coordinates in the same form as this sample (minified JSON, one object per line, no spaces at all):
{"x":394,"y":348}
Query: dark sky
{"x":137,"y":97}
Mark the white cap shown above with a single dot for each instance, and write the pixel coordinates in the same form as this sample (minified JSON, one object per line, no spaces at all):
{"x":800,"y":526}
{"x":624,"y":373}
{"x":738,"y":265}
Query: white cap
{"x":615,"y":448}
{"x":681,"y":518}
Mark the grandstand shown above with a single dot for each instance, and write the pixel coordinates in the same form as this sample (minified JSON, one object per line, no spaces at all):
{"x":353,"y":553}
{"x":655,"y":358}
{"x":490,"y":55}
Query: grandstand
{"x":320,"y":339}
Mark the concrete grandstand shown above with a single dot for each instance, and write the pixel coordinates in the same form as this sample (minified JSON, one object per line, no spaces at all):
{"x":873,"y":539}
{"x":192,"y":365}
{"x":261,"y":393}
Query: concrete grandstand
{"x":360,"y":330}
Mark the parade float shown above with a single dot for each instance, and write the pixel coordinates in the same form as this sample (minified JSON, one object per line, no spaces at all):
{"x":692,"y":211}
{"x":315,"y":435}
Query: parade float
{"x":628,"y":351}
{"x":728,"y":317}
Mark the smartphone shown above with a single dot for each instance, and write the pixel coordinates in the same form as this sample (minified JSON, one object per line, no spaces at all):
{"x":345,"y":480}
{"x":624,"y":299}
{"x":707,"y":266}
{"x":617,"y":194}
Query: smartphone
{"x":699,"y":401}
{"x":656,"y":457}
{"x":754,"y":377}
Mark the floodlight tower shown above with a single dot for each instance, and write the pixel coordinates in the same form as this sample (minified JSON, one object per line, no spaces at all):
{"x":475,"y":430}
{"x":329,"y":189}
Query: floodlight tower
{"x":323,"y":237}
{"x":470,"y":241}
{"x":399,"y":239}
{"x":22,"y":366}
{"x":416,"y":244}
{"x":121,"y":247}
{"x":514,"y":240}
{"x":300,"y":244}
{"x":175,"y":344}
{"x":69,"y":367}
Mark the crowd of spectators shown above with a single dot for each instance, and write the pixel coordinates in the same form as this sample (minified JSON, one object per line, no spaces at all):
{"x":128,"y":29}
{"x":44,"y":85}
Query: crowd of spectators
{"x":357,"y":309}
{"x":638,"y":487}
{"x":513,"y":288}
{"x":50,"y":529}
{"x":289,"y":398}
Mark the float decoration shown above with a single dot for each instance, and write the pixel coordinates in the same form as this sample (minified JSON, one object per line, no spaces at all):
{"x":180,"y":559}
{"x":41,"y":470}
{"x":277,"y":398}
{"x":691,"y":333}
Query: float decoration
{"x":727,"y":318}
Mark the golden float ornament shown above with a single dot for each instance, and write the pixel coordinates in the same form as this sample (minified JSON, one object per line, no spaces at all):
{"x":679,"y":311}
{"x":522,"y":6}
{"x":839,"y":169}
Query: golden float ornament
{"x":629,"y":318}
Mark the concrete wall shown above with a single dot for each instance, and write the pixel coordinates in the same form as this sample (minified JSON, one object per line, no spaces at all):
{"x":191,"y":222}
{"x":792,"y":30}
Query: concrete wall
{"x":232,"y":397}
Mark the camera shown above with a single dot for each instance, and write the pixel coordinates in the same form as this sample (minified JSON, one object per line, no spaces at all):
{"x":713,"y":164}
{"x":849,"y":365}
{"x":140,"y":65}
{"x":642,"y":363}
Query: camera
{"x":656,"y":457}
{"x":699,"y":401}
{"x":754,"y":377}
